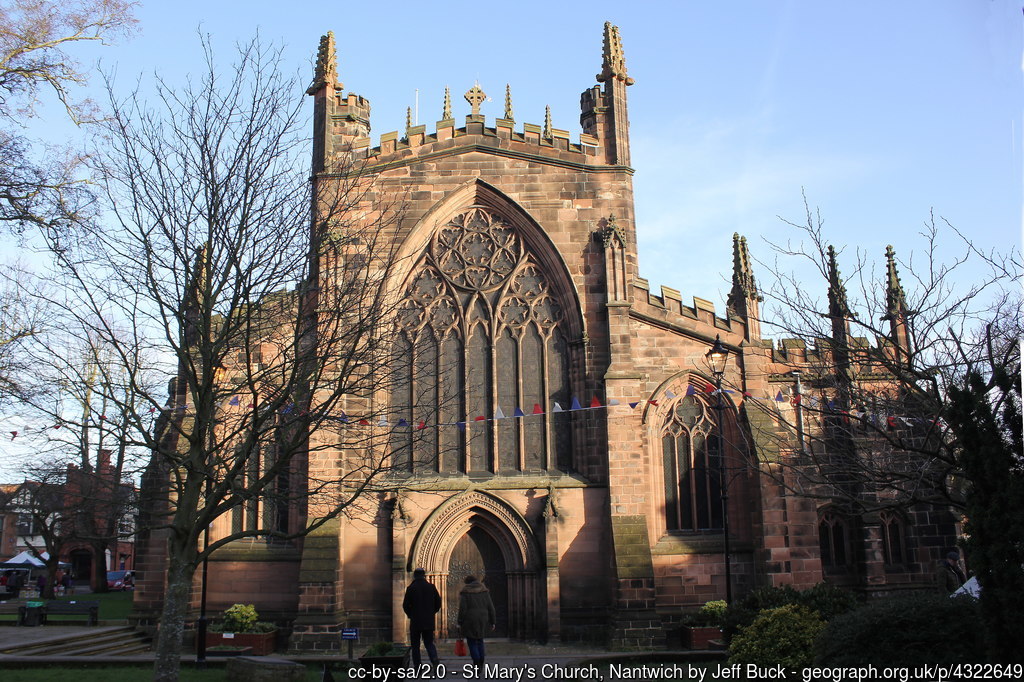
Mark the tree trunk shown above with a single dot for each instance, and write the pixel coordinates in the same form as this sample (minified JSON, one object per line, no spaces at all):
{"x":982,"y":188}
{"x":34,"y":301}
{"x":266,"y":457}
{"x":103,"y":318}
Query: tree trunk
{"x":172,"y":620}
{"x":51,"y":578}
{"x":99,"y":566}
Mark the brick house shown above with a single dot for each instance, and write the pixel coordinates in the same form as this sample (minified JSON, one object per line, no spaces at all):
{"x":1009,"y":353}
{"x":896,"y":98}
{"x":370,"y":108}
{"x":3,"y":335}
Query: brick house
{"x":588,"y":494}
{"x":73,"y":512}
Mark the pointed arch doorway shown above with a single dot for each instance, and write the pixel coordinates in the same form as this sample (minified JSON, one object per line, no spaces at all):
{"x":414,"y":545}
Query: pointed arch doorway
{"x":477,"y":533}
{"x":478,"y":554}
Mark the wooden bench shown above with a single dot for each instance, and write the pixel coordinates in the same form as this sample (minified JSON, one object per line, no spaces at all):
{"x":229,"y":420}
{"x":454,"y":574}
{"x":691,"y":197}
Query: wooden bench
{"x":77,"y":608}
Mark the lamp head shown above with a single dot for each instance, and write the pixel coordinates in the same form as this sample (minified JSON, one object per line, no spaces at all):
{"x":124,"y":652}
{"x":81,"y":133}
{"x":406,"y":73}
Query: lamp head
{"x":717,"y":357}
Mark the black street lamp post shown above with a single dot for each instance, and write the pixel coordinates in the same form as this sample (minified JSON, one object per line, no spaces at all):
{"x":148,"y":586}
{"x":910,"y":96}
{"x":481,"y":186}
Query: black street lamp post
{"x":201,"y":623}
{"x":717,"y":358}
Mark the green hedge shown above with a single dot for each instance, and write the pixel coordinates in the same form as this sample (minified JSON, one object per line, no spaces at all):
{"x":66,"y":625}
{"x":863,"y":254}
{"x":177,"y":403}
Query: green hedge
{"x":826,"y":600}
{"x":907,"y":630}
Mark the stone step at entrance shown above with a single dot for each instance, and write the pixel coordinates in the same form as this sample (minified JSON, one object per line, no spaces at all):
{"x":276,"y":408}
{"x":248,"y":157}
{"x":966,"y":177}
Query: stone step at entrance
{"x":85,"y":641}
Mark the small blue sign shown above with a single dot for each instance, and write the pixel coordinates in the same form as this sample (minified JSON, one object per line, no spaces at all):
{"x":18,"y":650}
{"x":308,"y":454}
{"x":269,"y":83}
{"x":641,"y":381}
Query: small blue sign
{"x":350,"y":633}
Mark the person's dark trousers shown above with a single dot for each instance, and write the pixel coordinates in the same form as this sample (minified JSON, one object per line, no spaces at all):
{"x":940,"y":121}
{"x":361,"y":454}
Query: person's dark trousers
{"x":428,"y":642}
{"x":476,"y":650}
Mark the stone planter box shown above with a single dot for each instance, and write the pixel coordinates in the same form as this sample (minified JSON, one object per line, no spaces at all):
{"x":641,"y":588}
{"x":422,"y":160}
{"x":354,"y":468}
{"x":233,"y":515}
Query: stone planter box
{"x":261,"y":643}
{"x":700,"y":637}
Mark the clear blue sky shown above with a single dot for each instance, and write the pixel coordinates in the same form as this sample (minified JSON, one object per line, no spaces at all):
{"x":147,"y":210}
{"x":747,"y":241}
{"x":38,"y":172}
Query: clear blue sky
{"x":879,"y":110}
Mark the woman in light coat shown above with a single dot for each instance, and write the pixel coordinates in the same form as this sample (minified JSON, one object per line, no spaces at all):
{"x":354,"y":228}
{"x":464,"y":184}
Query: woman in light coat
{"x":476,"y":617}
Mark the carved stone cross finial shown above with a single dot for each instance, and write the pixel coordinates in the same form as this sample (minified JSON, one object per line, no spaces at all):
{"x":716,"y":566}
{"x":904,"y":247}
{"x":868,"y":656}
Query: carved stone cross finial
{"x":475,"y":96}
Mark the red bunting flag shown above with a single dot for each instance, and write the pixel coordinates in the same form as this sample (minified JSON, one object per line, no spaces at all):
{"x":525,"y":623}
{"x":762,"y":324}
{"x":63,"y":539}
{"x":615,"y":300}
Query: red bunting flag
{"x":595,"y":402}
{"x":14,"y":434}
{"x":537,"y":409}
{"x":709,"y":389}
{"x":481,"y":418}
{"x":363,"y":422}
{"x":422,"y":425}
{"x":652,"y":402}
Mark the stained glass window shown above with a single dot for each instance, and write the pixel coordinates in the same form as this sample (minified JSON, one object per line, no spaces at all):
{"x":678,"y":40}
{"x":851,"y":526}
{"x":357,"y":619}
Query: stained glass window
{"x":480,"y":329}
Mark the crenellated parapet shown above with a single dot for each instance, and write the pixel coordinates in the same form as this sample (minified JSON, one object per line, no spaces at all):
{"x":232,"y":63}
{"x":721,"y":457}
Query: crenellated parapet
{"x":668,"y":309}
{"x":544,"y":143}
{"x":342,"y":123}
{"x":817,"y":358}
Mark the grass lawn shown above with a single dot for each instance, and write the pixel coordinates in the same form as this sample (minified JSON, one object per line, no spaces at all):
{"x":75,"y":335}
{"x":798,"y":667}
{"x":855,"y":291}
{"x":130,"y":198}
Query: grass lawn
{"x":113,"y":605}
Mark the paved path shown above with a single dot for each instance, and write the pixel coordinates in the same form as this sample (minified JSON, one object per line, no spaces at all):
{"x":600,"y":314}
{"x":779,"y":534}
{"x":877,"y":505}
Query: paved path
{"x":513,"y":661}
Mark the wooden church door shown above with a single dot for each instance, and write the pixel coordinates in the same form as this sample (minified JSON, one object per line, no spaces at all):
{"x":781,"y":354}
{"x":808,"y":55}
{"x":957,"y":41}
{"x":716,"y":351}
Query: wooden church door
{"x":477,"y":553}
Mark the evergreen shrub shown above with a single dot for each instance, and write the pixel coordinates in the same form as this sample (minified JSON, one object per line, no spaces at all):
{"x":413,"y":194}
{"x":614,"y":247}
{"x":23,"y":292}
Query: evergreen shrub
{"x":907,"y":630}
{"x":779,"y":636}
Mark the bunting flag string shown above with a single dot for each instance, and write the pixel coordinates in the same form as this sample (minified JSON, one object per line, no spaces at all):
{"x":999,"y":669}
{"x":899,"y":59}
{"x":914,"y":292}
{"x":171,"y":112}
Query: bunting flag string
{"x":875,"y":419}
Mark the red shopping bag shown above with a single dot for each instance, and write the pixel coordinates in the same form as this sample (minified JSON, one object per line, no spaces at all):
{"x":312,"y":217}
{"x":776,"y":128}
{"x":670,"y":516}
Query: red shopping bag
{"x":460,"y":647}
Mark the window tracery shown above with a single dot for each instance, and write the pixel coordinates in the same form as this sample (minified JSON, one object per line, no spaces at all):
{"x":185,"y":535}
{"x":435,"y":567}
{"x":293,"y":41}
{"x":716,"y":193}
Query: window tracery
{"x":834,"y":541}
{"x":893,"y":534}
{"x":693,"y":493}
{"x":480,"y":328}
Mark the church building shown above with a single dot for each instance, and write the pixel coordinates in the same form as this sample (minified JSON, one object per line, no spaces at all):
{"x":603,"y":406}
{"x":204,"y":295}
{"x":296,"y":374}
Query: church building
{"x":592,"y":463}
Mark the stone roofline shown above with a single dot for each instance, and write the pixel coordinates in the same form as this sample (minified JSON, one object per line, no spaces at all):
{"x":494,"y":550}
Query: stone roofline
{"x":531,"y":139}
{"x":668,"y":310}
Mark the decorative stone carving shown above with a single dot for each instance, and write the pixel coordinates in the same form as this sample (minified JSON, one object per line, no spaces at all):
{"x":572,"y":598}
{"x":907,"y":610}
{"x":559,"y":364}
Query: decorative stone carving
{"x":475,"y":96}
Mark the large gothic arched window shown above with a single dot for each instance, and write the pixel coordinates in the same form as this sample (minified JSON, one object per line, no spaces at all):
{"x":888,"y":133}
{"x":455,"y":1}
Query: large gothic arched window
{"x":693,"y":482}
{"x":480,"y":335}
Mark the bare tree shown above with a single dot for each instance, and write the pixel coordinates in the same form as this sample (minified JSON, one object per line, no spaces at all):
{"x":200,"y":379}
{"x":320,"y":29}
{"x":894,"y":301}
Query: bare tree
{"x":77,"y":435}
{"x":262,"y":298}
{"x":47,"y":189}
{"x":878,"y":354}
{"x":908,"y":393}
{"x":22,"y":317}
{"x":42,"y":511}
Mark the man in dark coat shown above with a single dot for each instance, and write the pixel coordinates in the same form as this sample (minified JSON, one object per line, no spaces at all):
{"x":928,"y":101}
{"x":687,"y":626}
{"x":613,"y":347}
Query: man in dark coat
{"x":421,"y":602}
{"x":476,"y":618}
{"x":950,"y":577}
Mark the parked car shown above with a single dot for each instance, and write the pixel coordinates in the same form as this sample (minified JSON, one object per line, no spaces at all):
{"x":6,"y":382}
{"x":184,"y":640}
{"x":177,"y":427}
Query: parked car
{"x":120,"y":580}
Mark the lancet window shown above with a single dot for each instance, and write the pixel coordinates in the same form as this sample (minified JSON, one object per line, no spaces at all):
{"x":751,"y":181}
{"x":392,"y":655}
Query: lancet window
{"x":693,"y":492}
{"x":892,"y":529}
{"x":481,"y":334}
{"x":834,"y":540}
